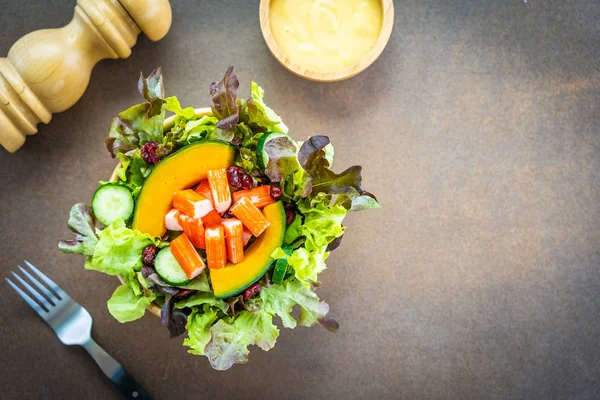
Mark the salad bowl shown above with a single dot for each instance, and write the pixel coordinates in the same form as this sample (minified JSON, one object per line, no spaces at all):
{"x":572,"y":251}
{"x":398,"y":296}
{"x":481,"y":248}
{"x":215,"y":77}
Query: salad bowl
{"x":216,"y":220}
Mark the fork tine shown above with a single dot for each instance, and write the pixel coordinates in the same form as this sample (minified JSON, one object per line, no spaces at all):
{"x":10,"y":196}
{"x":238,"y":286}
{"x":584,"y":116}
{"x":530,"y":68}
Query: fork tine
{"x":43,"y":302}
{"x":41,"y":287}
{"x":37,"y":308}
{"x":53,"y":286}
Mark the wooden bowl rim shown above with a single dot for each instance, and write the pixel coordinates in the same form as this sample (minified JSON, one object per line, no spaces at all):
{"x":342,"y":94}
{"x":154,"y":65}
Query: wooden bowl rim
{"x":329,"y":76}
{"x":200,"y":112}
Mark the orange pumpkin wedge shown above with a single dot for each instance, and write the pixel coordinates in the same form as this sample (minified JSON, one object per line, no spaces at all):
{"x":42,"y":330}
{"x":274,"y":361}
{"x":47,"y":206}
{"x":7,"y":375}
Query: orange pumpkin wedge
{"x":181,"y":170}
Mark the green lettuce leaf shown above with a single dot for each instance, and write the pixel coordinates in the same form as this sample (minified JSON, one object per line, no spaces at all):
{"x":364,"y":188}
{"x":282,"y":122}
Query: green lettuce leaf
{"x":199,"y":129}
{"x":199,"y":283}
{"x":153,"y":90}
{"x":329,"y":152}
{"x":133,"y":171}
{"x":172,"y":104}
{"x":293,"y":231}
{"x":141,"y":123}
{"x":220,"y":134}
{"x":364,"y":202}
{"x":224,"y":97}
{"x":319,"y":226}
{"x":119,"y":250}
{"x":319,"y":178}
{"x":257,"y":113}
{"x":308,"y":264}
{"x":322,"y":222}
{"x":280,"y":299}
{"x":282,"y":158}
{"x":202,"y":298}
{"x":198,"y":327}
{"x":229,"y":342}
{"x":82,"y":222}
{"x":125,"y":305}
{"x":246,"y":159}
{"x":186,"y":132}
{"x":133,"y":282}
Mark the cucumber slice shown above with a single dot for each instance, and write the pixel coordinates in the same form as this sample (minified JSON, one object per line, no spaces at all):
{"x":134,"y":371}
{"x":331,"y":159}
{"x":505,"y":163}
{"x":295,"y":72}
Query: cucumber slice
{"x":111,"y":202}
{"x":168,"y":268}
{"x":261,"y":155}
{"x":281,"y":265}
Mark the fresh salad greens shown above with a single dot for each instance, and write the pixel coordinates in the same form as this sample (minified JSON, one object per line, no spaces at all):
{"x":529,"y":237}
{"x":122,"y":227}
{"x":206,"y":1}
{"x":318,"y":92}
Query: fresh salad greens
{"x":316,"y":201}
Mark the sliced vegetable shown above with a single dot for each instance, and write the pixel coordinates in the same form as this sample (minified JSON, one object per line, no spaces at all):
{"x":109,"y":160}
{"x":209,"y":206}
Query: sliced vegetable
{"x":172,"y":220}
{"x":281,"y":265}
{"x":169,"y":269}
{"x":111,"y":202}
{"x":212,"y":219}
{"x":178,"y":171}
{"x":203,"y":188}
{"x":191,"y":203}
{"x":187,"y":256}
{"x":219,"y":187}
{"x":234,"y":278}
{"x":250,"y":216}
{"x":216,"y":253}
{"x":260,"y":196}
{"x":233,"y":240}
{"x":194,"y":229}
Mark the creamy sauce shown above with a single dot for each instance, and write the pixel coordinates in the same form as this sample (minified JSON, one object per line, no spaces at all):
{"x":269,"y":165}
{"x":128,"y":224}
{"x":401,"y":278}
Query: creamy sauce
{"x":325,"y":35}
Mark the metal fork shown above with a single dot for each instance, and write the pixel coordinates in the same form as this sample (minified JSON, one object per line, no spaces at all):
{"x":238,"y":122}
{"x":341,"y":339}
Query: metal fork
{"x":72,"y":324}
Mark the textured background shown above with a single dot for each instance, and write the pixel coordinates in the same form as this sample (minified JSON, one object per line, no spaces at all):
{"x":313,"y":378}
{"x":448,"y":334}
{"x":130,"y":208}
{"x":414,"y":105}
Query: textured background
{"x":478,"y":129}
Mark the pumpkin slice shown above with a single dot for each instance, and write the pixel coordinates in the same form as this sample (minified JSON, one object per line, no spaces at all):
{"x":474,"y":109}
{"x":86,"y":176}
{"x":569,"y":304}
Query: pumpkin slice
{"x":180,"y":170}
{"x":235,"y":278}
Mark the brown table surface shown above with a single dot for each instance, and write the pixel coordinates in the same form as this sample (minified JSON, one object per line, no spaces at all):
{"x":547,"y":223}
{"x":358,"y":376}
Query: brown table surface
{"x":478,"y":128}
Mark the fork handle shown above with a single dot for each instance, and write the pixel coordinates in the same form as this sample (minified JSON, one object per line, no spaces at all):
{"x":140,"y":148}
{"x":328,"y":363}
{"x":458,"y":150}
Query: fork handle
{"x":116,"y":373}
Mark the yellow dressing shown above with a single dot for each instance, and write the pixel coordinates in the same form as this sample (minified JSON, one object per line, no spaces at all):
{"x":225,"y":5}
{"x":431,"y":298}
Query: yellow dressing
{"x":325,"y":35}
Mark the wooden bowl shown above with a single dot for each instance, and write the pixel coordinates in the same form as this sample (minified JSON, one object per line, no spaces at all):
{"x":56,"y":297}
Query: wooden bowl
{"x":200,"y":112}
{"x":329,"y":76}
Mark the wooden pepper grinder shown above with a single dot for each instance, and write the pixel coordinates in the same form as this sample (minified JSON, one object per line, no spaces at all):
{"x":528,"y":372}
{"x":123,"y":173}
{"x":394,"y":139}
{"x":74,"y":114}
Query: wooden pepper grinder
{"x":47,"y":71}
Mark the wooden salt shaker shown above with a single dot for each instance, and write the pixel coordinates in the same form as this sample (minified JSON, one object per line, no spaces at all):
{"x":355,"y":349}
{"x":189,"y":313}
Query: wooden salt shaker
{"x":47,"y":71}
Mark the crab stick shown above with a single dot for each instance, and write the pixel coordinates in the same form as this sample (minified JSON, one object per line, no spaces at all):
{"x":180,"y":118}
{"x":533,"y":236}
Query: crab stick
{"x":194,"y":229}
{"x":251,"y":216}
{"x":212,"y":219}
{"x":187,"y":256}
{"x":204,"y":189}
{"x":233,"y":239}
{"x":246,"y":236}
{"x":216,"y":253}
{"x":172,"y":220}
{"x":260,"y":196}
{"x":219,"y":186}
{"x":191,"y":203}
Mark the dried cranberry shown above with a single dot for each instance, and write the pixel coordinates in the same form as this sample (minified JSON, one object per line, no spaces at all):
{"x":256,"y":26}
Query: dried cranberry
{"x":290,"y":216}
{"x":149,"y":254}
{"x":275,"y":191}
{"x":227,"y":214}
{"x":252,"y":291}
{"x":149,"y":153}
{"x":247,"y":182}
{"x":235,"y":175}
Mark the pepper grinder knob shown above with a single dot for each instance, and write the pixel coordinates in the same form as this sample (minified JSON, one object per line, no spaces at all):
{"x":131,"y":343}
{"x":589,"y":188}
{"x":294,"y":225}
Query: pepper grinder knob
{"x":47,"y":71}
